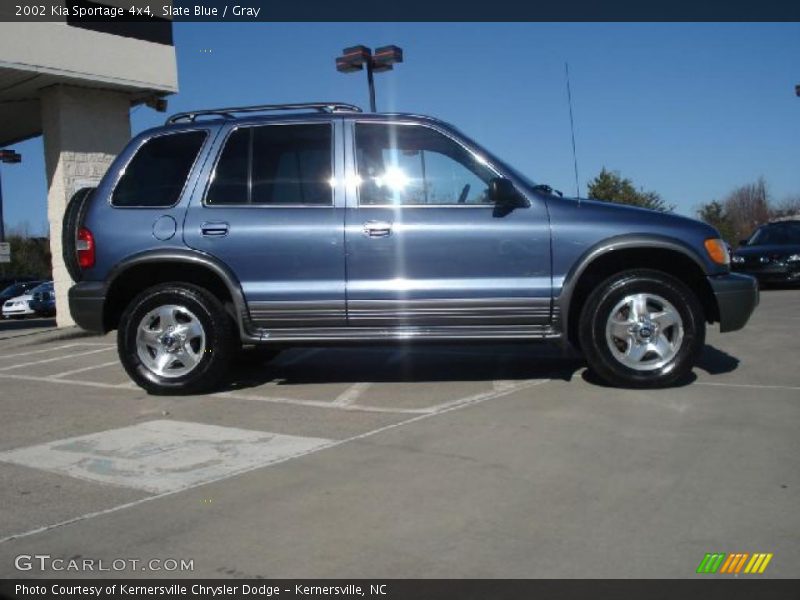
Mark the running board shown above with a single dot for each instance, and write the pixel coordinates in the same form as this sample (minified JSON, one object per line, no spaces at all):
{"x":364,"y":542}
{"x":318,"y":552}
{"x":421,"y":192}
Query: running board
{"x":360,"y":334}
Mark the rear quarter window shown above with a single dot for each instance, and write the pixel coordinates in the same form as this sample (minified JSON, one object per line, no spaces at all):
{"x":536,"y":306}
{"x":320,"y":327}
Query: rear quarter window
{"x":157,"y":173}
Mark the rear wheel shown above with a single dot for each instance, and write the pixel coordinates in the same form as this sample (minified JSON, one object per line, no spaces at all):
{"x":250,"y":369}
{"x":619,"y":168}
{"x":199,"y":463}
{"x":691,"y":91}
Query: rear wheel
{"x":642,"y":328}
{"x":176,"y":338}
{"x":73,"y":217}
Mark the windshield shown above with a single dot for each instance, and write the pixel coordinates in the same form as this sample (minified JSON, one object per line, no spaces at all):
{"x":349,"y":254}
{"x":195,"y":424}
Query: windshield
{"x":13,"y":290}
{"x":45,"y":287}
{"x":776,"y":234}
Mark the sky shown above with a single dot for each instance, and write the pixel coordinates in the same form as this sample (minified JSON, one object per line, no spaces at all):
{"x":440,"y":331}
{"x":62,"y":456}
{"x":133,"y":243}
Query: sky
{"x":688,"y":110}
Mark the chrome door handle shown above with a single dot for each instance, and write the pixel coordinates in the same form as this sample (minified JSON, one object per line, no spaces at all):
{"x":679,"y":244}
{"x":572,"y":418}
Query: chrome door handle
{"x":214,"y":229}
{"x":377,"y":228}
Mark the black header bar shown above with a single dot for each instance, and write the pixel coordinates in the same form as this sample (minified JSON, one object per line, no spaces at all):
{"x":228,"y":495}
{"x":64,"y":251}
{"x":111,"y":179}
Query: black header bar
{"x":411,"y":10}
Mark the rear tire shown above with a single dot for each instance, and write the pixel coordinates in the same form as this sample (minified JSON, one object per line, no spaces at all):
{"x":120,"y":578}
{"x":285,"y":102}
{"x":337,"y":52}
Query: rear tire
{"x":73,"y":219}
{"x":176,"y":338}
{"x":643,"y":329}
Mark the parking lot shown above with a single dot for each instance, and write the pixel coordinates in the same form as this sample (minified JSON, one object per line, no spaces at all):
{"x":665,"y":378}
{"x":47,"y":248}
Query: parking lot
{"x":435,"y":461}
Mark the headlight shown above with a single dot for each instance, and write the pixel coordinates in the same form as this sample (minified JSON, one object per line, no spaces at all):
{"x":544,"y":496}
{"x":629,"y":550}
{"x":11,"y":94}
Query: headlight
{"x":717,"y":251}
{"x":737,"y":259}
{"x":793,"y":258}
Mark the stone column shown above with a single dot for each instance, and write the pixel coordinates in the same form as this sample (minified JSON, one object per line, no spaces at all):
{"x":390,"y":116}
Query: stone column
{"x":84,"y":129}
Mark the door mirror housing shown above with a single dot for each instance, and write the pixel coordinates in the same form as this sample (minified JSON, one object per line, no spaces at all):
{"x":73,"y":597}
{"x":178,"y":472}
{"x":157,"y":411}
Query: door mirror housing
{"x":503,"y":193}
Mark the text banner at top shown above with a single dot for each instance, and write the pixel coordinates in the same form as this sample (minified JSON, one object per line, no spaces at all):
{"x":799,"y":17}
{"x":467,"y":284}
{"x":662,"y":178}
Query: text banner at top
{"x":133,"y":11}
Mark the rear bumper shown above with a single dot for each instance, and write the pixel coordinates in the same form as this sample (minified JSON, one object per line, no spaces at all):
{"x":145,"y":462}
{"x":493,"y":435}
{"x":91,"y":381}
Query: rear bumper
{"x":737,"y":297}
{"x":86,"y":301}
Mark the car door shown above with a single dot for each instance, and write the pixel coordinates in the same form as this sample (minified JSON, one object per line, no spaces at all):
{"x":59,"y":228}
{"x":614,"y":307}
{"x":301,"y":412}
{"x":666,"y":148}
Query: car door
{"x":426,"y":247}
{"x":271,"y":213}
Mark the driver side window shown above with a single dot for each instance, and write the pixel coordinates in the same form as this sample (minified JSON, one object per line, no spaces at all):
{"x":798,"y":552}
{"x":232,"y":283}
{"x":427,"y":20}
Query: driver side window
{"x":412,"y":165}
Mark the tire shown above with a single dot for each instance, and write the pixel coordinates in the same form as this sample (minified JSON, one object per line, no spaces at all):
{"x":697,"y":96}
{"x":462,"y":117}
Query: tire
{"x":196,"y":358}
{"x":73,"y":218}
{"x":657,"y":351}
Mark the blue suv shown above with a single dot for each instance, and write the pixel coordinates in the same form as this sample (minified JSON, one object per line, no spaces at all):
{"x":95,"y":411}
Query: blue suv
{"x":281,"y":225}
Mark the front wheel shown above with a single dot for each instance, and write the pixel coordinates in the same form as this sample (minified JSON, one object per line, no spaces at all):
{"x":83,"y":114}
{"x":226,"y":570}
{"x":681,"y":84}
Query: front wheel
{"x":176,"y":338}
{"x":643,"y":329}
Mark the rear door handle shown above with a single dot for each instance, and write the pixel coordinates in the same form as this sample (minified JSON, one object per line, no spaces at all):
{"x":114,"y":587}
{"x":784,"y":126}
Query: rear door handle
{"x":214,"y":229}
{"x":377,"y":228}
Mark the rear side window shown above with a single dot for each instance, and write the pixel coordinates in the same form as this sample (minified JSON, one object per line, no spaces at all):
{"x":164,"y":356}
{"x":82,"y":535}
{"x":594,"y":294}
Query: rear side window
{"x":275,"y":165}
{"x":157,"y":173}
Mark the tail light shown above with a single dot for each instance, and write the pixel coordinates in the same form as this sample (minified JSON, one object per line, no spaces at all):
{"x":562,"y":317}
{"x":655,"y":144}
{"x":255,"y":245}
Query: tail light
{"x":85,"y":248}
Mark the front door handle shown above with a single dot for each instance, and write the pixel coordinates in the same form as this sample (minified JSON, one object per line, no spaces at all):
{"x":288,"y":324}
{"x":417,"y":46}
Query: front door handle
{"x":377,"y":228}
{"x":214,"y":229}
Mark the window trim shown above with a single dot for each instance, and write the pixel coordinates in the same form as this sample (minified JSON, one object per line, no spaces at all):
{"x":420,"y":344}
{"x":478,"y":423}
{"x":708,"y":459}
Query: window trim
{"x":447,"y":134}
{"x":190,"y":172}
{"x":224,"y":143}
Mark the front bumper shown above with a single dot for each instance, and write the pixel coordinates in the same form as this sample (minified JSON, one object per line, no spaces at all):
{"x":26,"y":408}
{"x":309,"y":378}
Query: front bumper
{"x":86,"y":302}
{"x":737,"y":297}
{"x":776,"y":273}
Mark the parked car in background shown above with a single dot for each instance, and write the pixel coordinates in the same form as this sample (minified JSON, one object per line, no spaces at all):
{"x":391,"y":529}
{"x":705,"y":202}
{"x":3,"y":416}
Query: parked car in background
{"x":8,"y":281}
{"x":18,"y":307}
{"x":771,"y":254}
{"x":44,"y":300}
{"x":17,"y":289}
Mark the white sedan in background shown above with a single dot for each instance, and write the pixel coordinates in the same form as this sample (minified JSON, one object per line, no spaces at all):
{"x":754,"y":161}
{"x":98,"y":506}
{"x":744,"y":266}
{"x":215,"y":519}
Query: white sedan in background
{"x":18,"y":307}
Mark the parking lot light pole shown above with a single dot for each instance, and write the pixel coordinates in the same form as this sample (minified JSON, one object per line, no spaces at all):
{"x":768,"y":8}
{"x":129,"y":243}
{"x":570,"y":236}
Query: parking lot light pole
{"x":6,"y":156}
{"x":356,"y":57}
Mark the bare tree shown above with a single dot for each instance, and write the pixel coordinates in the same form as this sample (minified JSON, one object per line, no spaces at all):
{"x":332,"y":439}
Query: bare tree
{"x":789,"y":207}
{"x":747,"y":207}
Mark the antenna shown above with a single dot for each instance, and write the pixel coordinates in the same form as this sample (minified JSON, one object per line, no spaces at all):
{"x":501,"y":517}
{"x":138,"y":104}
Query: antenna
{"x":572,"y":127}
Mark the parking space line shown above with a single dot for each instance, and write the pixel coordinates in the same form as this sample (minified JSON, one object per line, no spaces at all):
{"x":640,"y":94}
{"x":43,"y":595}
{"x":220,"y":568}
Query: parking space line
{"x":74,"y":371}
{"x":464,"y":403}
{"x":31,"y":352}
{"x":57,"y":358}
{"x":97,"y":384}
{"x":748,"y":385}
{"x":318,"y":403}
{"x":351,"y":394}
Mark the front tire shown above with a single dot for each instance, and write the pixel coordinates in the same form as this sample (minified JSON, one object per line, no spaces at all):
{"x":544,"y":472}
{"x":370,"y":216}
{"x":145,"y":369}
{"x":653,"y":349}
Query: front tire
{"x":176,"y":338}
{"x":642,"y":329}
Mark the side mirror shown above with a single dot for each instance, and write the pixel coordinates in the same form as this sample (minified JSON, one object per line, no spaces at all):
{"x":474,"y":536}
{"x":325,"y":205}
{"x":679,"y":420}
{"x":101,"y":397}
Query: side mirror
{"x":503,"y":193}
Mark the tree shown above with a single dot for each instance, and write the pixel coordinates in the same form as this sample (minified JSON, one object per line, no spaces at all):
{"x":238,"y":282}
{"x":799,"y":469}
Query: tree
{"x":610,"y":186}
{"x":30,"y":256}
{"x":790,"y":207}
{"x":747,"y":207}
{"x":714,"y":214}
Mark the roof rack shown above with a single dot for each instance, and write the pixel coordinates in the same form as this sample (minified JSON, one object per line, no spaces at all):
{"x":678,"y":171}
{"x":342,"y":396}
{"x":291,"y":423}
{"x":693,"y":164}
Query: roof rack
{"x":227,"y":113}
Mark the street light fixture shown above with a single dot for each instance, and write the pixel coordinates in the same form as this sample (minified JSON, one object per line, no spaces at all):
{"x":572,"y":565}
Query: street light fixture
{"x":356,"y":57}
{"x":6,"y":156}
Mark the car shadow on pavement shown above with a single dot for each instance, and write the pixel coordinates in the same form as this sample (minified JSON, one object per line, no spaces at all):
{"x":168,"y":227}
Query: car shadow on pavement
{"x":713,"y":361}
{"x":409,"y":364}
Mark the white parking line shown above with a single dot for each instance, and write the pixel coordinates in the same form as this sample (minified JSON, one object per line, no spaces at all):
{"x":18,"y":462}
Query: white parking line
{"x":748,"y":385}
{"x":318,"y":403}
{"x":74,"y":371}
{"x":351,"y":394}
{"x":18,"y":354}
{"x":464,"y":403}
{"x":97,"y":384}
{"x":57,"y":358}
